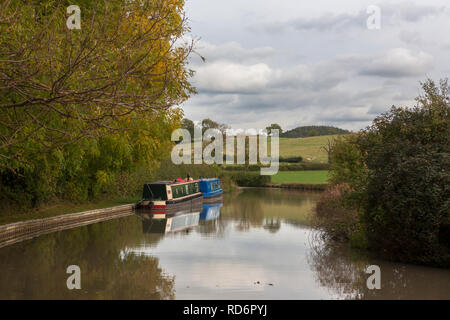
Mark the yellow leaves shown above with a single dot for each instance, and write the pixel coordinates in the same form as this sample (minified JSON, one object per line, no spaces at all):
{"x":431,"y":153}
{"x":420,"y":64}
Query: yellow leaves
{"x":101,"y":177}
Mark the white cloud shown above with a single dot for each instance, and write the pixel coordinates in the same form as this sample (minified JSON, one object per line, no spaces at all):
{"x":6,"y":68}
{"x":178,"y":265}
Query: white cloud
{"x":399,"y":62}
{"x":232,"y":77}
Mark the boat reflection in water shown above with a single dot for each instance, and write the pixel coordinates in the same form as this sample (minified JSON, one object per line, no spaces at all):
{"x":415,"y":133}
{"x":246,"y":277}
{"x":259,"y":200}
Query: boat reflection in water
{"x":186,"y":217}
{"x":211,"y":211}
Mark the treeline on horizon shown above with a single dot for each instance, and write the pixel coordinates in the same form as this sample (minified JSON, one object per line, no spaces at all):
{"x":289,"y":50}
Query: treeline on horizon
{"x":312,"y":131}
{"x":299,"y":132}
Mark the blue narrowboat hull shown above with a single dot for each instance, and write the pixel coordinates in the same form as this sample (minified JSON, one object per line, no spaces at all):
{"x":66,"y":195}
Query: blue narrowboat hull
{"x":211,"y":188}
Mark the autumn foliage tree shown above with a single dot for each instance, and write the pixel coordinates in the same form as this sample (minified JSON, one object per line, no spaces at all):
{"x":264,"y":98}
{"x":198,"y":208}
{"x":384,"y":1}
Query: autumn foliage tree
{"x":78,"y":106}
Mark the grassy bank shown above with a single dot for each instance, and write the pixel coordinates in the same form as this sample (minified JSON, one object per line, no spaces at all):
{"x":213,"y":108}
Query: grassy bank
{"x":60,"y":207}
{"x":310,"y":176}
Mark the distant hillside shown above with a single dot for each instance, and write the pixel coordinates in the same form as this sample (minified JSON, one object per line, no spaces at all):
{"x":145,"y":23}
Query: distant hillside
{"x":312,"y":131}
{"x":309,"y":148}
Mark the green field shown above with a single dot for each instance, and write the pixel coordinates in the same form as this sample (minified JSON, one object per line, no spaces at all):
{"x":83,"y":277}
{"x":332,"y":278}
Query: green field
{"x":315,"y":176}
{"x":311,"y":148}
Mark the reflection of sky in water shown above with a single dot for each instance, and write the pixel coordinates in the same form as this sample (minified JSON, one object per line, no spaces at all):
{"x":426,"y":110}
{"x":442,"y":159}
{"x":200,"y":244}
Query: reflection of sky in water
{"x":260,"y":235}
{"x":228,"y":267}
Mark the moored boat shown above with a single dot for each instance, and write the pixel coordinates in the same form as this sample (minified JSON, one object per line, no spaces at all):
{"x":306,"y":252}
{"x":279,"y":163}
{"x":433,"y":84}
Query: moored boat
{"x":211,"y":189}
{"x":163,"y":197}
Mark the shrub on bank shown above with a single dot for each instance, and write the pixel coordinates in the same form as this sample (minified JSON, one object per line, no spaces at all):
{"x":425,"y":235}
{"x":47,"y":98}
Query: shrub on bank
{"x":397,"y":170}
{"x":283,"y":166}
{"x":247,"y":179}
{"x":335,"y":218}
{"x":169,"y":171}
{"x":227,"y":184}
{"x":291,"y":159}
{"x":408,"y":191}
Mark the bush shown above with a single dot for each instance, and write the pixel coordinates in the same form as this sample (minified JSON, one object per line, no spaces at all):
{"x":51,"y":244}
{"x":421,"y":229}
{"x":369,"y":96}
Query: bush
{"x":333,"y":216}
{"x":248,"y":179}
{"x":315,"y":166}
{"x":397,"y":171}
{"x":291,"y":159}
{"x":408,"y":191}
{"x":227,"y":184}
{"x":170,"y":171}
{"x":346,"y":161}
{"x":284,"y":166}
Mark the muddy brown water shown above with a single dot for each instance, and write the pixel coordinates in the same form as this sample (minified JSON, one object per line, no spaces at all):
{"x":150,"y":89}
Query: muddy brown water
{"x":257,"y":245}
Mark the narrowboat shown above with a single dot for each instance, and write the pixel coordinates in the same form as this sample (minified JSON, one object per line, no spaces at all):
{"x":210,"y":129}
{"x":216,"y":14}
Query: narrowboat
{"x":211,"y":189}
{"x":163,"y":197}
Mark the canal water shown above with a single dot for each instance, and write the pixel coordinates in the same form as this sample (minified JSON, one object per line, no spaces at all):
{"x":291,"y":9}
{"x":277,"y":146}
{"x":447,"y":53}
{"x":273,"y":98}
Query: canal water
{"x":257,"y":245}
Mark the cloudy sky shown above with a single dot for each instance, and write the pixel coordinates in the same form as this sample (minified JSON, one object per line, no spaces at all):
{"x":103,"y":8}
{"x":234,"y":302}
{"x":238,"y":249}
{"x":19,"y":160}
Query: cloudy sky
{"x":297,"y":63}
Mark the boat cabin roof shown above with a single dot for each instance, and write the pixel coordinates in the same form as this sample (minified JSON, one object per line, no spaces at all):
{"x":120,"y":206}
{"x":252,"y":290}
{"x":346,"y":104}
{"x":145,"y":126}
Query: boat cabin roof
{"x":176,"y":181}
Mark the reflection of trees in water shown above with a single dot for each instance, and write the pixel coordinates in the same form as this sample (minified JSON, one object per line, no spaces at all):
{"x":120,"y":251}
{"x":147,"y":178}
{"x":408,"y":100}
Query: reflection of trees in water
{"x":277,"y":196}
{"x":151,"y":239}
{"x":334,"y":270}
{"x":272,"y":224}
{"x":214,"y":227}
{"x":245,"y":209}
{"x":296,"y":223}
{"x":250,"y":207}
{"x":341,"y":270}
{"x":37,"y":268}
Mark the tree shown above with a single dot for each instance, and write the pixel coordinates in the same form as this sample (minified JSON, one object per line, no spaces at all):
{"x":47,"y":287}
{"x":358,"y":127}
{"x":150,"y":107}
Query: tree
{"x":274,"y":126}
{"x":307,"y":131}
{"x":211,"y":124}
{"x":189,"y":126}
{"x":59,"y":85}
{"x":407,"y":154}
{"x":79,"y":106}
{"x":396,"y":176}
{"x":347,"y":164}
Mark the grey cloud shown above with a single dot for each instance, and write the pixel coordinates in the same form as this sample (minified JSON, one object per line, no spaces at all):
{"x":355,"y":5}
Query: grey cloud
{"x":399,"y":62}
{"x":233,"y":51}
{"x":391,"y":13}
{"x":411,"y":12}
{"x":344,"y":77}
{"x":223,"y":77}
{"x":307,"y":98}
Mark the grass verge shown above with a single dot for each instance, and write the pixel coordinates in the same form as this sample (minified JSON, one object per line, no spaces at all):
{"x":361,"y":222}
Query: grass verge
{"x":309,"y":176}
{"x":63,"y":207}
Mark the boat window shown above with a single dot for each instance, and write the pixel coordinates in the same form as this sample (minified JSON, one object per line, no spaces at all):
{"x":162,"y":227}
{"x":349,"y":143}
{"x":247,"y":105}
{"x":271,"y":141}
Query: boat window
{"x":154,"y":192}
